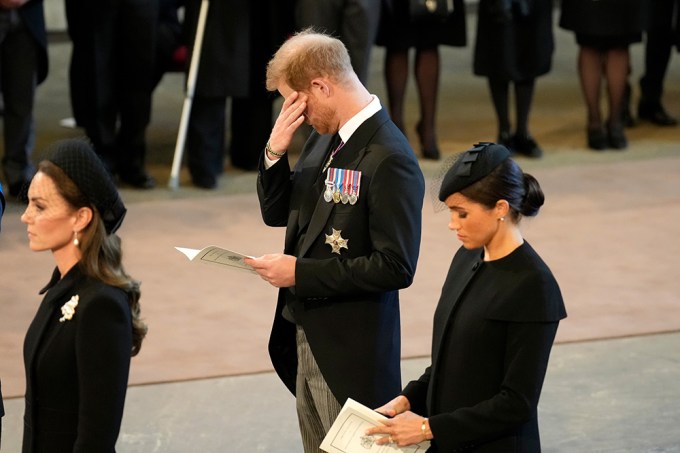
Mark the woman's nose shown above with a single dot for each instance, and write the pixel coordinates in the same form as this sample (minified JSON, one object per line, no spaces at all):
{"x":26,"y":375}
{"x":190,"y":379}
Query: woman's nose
{"x":24,"y":216}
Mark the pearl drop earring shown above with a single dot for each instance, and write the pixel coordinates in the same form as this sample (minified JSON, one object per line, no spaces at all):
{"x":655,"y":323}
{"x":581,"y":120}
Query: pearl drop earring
{"x":76,"y":242}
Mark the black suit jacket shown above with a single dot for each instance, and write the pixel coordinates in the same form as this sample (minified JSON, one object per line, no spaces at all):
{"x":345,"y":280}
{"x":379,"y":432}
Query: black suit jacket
{"x":493,"y":331}
{"x":347,"y":303}
{"x":77,"y":370}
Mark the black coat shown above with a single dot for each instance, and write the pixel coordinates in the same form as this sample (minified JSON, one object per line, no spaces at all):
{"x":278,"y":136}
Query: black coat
{"x":77,"y":370}
{"x":514,"y":44}
{"x":347,"y":303}
{"x":398,"y":29}
{"x":604,"y":18}
{"x":493,"y":331}
{"x":224,"y":69}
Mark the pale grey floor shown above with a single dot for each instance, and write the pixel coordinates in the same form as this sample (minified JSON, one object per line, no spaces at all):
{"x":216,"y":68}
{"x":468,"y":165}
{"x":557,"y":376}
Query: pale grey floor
{"x":615,"y":396}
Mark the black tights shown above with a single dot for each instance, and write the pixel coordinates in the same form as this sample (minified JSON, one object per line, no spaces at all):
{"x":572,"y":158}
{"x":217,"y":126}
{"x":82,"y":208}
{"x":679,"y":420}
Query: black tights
{"x":614,"y":65}
{"x":426,"y":72}
{"x":524,"y":93}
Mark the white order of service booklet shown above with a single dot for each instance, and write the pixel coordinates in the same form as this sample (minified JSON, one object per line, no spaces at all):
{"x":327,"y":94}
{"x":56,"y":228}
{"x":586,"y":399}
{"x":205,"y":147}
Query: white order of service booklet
{"x":347,"y":432}
{"x":219,"y":256}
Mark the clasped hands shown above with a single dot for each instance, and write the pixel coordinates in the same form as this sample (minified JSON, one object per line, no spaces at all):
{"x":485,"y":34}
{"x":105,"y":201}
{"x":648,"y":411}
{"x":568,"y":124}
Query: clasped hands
{"x":402,"y":428}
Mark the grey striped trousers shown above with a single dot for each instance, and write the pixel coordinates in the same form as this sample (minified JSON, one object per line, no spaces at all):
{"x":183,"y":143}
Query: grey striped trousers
{"x":317,"y":408}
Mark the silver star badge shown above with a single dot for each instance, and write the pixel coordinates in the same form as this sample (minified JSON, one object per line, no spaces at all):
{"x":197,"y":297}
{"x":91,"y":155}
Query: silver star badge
{"x":336,"y":241}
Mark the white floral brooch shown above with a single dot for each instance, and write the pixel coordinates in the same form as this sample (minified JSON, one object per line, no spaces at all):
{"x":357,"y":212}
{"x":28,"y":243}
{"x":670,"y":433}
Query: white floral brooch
{"x":69,"y":309}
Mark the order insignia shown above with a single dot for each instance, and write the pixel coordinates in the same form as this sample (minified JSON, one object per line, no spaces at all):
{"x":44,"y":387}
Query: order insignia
{"x":336,"y":241}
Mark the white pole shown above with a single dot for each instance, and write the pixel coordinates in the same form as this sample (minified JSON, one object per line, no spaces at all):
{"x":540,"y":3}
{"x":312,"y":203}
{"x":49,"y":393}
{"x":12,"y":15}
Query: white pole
{"x":173,"y":182}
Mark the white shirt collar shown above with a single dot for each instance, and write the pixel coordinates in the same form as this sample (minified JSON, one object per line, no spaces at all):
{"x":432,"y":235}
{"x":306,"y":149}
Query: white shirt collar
{"x":350,"y":126}
{"x":357,"y":120}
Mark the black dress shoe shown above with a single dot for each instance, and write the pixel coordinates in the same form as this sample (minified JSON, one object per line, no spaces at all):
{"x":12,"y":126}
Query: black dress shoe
{"x":526,"y":146}
{"x":138,"y":180}
{"x":204,"y":182}
{"x":656,"y":114}
{"x":597,"y":139}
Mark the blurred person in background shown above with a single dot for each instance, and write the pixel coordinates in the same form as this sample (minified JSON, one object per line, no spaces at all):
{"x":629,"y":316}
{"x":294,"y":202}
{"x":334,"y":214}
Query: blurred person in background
{"x":662,"y":34}
{"x":354,"y":22}
{"x":23,"y":66}
{"x":604,"y":31}
{"x":398,"y":33}
{"x":239,"y":38}
{"x":514,"y":46}
{"x":111,"y":80}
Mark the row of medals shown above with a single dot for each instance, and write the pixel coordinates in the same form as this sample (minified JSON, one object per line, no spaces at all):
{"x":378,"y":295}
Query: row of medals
{"x":339,"y":191}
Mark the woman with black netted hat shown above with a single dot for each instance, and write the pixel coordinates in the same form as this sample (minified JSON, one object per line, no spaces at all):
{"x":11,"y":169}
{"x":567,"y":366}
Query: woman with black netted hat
{"x":78,"y":347}
{"x":495,"y":322}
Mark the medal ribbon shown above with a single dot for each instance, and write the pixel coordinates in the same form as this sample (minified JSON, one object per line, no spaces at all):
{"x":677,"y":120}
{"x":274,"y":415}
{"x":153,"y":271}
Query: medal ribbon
{"x":330,"y":159}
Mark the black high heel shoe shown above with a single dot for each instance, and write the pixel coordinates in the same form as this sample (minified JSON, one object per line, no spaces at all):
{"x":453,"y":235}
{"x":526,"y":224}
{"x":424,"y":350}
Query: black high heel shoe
{"x":428,"y":153}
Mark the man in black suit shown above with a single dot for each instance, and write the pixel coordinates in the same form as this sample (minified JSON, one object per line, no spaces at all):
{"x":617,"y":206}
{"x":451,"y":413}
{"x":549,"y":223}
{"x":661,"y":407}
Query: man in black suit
{"x":662,"y":34}
{"x":23,"y":50}
{"x":352,"y":211}
{"x":111,"y":80}
{"x":239,"y":37}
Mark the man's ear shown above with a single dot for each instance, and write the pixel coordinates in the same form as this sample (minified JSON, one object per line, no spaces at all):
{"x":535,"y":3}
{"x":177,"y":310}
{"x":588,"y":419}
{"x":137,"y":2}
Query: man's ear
{"x":321,"y":86}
